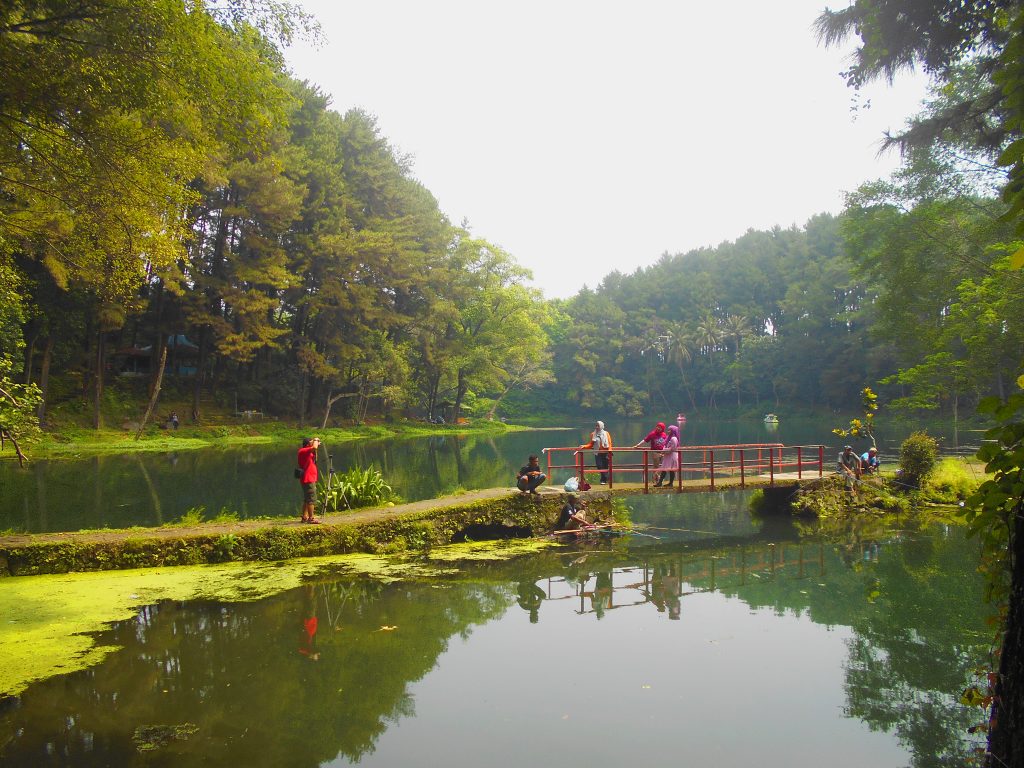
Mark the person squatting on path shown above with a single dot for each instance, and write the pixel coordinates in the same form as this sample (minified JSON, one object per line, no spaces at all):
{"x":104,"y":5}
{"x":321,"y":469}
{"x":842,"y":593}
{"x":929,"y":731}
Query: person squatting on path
{"x":530,"y":476}
{"x":601,"y":442}
{"x":308,"y":477}
{"x":670,"y":459}
{"x":849,"y":467}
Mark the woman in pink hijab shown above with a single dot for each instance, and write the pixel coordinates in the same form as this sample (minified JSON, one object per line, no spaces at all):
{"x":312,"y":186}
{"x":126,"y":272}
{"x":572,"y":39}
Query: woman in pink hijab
{"x":670,"y":459}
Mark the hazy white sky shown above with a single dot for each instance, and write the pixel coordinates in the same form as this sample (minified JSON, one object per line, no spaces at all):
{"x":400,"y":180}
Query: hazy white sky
{"x":585,"y":137}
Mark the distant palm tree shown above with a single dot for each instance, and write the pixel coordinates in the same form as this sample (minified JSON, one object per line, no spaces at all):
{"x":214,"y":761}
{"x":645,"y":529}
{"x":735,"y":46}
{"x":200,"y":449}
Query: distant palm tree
{"x":708,"y":334}
{"x":737,"y":327}
{"x":680,"y":351}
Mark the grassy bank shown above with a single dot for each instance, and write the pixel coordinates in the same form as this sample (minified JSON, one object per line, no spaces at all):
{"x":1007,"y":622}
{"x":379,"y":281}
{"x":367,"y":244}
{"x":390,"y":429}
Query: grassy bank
{"x":949,"y":484}
{"x":77,"y":441}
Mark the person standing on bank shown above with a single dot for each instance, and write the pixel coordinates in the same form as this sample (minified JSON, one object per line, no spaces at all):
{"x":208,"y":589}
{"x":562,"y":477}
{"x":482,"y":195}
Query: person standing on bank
{"x":308,"y":477}
{"x":601,"y":442}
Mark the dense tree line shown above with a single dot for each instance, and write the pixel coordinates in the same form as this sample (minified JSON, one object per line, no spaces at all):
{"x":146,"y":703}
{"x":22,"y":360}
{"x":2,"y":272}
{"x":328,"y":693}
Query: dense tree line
{"x":169,"y":190}
{"x":916,"y":296}
{"x":167,"y":185}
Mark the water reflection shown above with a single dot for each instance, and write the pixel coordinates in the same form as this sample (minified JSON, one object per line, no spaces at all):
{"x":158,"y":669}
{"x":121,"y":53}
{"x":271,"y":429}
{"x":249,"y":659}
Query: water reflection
{"x":844,"y":650}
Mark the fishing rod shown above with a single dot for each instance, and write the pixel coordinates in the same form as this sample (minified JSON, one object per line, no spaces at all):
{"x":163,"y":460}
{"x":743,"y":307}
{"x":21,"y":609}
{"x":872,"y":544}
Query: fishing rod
{"x":330,"y":483}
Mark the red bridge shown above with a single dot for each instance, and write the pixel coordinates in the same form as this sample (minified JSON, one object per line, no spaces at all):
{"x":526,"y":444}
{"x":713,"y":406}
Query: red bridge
{"x":701,"y":467}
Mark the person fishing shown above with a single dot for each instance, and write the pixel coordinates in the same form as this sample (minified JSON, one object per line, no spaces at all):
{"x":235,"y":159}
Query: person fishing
{"x":572,"y":515}
{"x":848,"y":465}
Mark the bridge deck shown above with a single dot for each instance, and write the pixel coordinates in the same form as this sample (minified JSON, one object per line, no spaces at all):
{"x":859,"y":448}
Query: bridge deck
{"x":722,"y":482}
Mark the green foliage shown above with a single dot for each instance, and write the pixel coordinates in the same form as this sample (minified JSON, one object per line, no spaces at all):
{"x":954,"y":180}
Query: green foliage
{"x":18,"y":403}
{"x":918,"y":455}
{"x":356,"y":487}
{"x":224,"y":547}
{"x":865,"y":427}
{"x":193,"y":516}
{"x":225,"y":516}
{"x":993,"y":508}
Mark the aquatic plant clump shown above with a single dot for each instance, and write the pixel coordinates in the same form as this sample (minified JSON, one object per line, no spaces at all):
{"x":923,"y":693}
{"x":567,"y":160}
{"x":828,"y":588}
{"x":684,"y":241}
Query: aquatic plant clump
{"x":148,"y":738}
{"x":356,"y":487}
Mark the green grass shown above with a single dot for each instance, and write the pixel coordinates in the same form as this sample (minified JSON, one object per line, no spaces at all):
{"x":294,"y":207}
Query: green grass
{"x":76,"y":441}
{"x":953,"y":480}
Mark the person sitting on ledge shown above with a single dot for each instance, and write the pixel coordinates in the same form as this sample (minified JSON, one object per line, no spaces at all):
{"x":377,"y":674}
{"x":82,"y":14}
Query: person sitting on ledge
{"x":869,"y":462}
{"x":530,"y":476}
{"x":572,"y":516}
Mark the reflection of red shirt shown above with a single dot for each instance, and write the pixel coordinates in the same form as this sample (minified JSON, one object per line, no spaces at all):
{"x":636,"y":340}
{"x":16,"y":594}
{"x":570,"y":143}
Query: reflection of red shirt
{"x":307,"y":463}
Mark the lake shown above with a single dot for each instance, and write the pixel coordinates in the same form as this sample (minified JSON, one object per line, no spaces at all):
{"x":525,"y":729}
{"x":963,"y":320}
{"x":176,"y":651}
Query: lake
{"x":706,"y":638}
{"x":148,"y":489}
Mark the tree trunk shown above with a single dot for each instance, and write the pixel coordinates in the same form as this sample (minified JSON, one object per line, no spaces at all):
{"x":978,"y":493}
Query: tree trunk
{"x":460,"y":393}
{"x":197,"y":383}
{"x":1006,"y":734}
{"x":153,"y":397}
{"x":44,"y":379}
{"x":98,"y":381}
{"x":159,"y":349}
{"x":30,"y":353}
{"x":496,"y":403}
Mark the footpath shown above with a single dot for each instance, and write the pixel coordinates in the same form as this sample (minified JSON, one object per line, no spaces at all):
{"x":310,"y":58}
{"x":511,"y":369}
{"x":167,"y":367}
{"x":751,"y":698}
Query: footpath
{"x":475,"y":515}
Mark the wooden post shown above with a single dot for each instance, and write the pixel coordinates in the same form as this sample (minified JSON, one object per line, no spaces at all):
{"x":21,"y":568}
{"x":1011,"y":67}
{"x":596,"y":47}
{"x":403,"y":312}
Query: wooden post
{"x":799,"y":462}
{"x":711,"y":454}
{"x":821,"y":460}
{"x":771,"y":467}
{"x":743,"y":479}
{"x":646,"y":478}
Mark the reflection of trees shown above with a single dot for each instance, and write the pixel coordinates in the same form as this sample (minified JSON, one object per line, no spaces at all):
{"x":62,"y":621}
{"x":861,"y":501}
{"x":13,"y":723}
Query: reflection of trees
{"x":913,"y":604}
{"x":236,"y":672}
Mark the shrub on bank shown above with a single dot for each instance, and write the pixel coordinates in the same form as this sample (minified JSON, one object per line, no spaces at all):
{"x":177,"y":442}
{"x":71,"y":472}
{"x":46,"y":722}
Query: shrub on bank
{"x":918,"y":455}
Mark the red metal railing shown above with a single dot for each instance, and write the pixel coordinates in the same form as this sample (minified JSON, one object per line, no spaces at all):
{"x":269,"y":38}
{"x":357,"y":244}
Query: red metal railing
{"x":711,"y":462}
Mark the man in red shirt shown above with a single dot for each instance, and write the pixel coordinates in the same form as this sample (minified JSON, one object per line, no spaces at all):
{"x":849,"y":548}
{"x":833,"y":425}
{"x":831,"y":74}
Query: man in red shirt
{"x":308,"y":477}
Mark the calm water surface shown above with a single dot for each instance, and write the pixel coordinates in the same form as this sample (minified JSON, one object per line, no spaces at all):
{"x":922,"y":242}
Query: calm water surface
{"x":152,"y":489}
{"x":724,"y":641}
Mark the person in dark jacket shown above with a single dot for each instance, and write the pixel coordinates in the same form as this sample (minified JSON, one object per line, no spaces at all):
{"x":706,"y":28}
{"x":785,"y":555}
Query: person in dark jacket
{"x":530,"y":476}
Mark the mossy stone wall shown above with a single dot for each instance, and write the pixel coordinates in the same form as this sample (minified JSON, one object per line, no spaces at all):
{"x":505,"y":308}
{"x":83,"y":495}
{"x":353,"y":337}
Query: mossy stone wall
{"x":389,"y":532}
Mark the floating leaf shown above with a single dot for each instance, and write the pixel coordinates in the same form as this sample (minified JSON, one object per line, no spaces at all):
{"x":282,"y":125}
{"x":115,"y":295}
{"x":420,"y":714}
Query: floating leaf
{"x":386,"y":628}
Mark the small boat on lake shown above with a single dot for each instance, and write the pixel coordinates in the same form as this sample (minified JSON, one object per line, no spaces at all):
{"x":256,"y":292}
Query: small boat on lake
{"x":771,"y":418}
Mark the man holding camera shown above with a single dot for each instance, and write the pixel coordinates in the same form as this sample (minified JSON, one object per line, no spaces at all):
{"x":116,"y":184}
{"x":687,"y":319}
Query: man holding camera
{"x":307,"y":475}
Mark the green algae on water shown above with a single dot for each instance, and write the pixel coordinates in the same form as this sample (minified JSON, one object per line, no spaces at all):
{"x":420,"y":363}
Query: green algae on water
{"x":49,"y":622}
{"x":502,"y":549}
